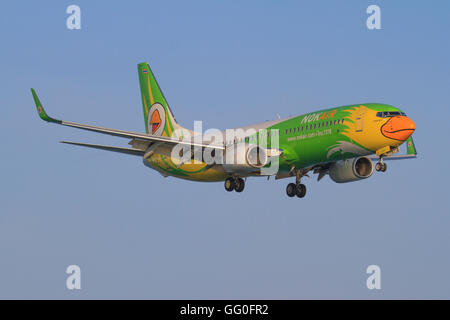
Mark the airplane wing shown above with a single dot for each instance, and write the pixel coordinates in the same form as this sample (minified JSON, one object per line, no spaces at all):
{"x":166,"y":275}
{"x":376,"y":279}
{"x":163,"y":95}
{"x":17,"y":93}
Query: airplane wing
{"x":396,"y":157}
{"x":411,"y":152}
{"x":118,"y":133}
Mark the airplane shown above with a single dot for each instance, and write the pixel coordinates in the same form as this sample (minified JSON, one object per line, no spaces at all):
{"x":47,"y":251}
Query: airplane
{"x":341,"y":142}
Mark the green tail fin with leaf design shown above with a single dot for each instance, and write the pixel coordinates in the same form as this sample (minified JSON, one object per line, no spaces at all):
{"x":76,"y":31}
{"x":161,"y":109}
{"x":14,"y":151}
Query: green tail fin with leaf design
{"x":159,"y":119}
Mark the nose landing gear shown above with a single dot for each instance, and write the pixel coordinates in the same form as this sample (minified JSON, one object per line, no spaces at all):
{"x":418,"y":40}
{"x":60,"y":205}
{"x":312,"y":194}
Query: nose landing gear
{"x":381,"y":166}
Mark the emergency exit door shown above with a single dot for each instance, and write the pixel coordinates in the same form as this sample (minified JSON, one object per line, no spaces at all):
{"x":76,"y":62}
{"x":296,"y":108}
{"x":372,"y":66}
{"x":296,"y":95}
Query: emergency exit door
{"x":359,"y":122}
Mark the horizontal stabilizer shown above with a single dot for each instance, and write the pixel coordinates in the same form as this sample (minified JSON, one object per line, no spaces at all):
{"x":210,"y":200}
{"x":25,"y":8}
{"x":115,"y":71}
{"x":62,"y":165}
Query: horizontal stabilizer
{"x":134,"y":152}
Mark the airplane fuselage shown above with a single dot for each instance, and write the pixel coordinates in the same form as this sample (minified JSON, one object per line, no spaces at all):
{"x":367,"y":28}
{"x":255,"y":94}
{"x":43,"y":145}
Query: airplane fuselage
{"x":310,"y":139}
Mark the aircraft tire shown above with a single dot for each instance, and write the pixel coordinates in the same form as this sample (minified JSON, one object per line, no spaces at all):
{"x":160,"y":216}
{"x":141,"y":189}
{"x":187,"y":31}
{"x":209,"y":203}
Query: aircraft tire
{"x":239,"y":185}
{"x":381,"y":167}
{"x":300,"y":190}
{"x":291,"y":190}
{"x":229,"y":184}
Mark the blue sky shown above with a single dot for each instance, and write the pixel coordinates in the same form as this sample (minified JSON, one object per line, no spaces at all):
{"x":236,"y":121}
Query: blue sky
{"x":136,"y":234}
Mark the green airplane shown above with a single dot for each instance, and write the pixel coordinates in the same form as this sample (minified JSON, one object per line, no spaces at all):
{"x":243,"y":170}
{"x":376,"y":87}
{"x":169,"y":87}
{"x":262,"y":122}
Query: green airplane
{"x":342,"y":142}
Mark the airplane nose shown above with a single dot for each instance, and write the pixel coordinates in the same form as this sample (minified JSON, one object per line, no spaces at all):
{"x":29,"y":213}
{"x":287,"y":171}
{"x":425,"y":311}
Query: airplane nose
{"x":398,"y":128}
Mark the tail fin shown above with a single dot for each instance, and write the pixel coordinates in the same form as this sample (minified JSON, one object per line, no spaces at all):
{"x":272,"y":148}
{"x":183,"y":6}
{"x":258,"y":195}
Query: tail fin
{"x":159,"y":119}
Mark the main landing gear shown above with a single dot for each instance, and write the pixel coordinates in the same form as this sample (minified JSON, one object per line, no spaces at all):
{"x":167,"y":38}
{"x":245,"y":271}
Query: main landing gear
{"x":296,"y":189}
{"x":234,"y":183}
{"x":381,"y":166}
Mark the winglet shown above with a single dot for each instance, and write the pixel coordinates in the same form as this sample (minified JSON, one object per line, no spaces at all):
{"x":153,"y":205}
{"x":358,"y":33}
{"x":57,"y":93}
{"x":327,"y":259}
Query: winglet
{"x":40,"y":109}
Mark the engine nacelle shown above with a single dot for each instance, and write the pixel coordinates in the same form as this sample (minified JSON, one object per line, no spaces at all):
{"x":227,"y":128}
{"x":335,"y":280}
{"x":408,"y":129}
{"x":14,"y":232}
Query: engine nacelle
{"x":351,"y":169}
{"x":245,"y":158}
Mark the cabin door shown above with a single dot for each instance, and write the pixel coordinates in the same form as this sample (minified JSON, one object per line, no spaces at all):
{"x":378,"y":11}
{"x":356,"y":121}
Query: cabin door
{"x":359,"y":123}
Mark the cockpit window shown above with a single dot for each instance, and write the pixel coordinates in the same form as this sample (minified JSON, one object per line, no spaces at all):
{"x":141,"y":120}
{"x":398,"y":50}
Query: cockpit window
{"x":387,"y":114}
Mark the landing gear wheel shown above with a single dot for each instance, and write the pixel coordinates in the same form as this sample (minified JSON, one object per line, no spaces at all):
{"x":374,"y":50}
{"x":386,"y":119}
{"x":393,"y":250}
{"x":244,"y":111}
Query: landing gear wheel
{"x":300,"y":190}
{"x":381,"y":166}
{"x":239,"y":185}
{"x":229,"y":184}
{"x":378,"y":166}
{"x":291,"y":190}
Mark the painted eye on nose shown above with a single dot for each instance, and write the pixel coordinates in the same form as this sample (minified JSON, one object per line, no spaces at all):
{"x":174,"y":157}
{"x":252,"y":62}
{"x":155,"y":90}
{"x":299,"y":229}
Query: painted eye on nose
{"x":398,"y":128}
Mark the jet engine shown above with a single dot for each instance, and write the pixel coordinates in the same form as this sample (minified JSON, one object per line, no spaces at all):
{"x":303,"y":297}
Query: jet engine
{"x":245,"y":158}
{"x":351,"y":169}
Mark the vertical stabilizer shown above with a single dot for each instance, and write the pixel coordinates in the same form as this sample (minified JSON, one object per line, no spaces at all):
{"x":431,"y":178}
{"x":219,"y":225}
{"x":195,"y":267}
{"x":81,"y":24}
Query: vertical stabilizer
{"x":159,"y":119}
